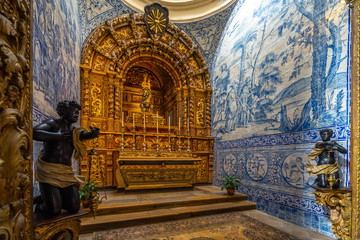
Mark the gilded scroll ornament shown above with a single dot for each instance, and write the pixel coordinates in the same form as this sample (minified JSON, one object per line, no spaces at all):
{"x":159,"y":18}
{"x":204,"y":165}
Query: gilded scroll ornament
{"x":125,"y":32}
{"x":200,"y":112}
{"x":98,"y":168}
{"x":96,"y":103}
{"x":65,"y":229}
{"x":339,"y":203}
{"x":202,"y":174}
{"x":100,"y":62}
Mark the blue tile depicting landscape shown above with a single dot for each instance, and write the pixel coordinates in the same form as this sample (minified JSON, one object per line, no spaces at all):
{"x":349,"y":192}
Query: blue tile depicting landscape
{"x":56,"y":43}
{"x":279,"y":75}
{"x":93,"y":13}
{"x":56,"y":59}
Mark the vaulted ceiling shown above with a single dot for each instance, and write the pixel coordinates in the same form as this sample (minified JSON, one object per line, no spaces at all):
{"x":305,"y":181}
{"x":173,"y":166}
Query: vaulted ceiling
{"x":184,"y":10}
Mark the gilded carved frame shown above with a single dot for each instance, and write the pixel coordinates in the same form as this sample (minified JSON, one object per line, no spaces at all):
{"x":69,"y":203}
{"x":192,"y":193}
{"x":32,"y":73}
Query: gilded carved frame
{"x":355,"y":117}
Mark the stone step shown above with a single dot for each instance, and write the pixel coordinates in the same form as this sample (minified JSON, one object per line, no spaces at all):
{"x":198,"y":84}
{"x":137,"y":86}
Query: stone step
{"x":109,"y":209}
{"x":113,"y":221}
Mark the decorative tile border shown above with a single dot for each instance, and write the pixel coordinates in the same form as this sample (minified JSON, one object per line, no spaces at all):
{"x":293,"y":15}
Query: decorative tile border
{"x":309,"y":136}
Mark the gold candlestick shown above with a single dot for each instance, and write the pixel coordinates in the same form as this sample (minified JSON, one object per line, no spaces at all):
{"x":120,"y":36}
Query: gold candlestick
{"x":331,"y":180}
{"x":122,"y":138}
{"x":144,"y":144}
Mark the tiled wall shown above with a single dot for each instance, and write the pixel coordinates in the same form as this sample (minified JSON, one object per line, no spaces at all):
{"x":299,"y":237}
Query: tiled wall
{"x":56,"y":58}
{"x":206,"y":32}
{"x":279,"y":75}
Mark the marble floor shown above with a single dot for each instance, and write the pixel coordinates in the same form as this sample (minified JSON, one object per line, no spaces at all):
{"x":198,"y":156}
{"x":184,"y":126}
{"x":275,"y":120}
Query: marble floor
{"x":114,"y":197}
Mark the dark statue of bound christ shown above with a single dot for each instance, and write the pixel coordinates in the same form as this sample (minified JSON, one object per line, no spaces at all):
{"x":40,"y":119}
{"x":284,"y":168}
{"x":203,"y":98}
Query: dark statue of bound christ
{"x":59,"y":187}
{"x":326,"y":164}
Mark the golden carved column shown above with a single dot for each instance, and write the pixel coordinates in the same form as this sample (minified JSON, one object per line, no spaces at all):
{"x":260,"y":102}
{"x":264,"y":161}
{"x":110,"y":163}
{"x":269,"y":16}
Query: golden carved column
{"x":185,"y":109}
{"x":85,"y":101}
{"x":339,"y":203}
{"x":355,"y":117}
{"x":16,"y":186}
{"x":118,"y":85}
{"x":208,"y":112}
{"x":192,"y":110}
{"x":178,"y":106}
{"x":111,"y":102}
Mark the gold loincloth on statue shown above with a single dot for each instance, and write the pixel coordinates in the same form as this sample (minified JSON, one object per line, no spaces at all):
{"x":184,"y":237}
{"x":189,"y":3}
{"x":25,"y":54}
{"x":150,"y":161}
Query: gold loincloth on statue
{"x":60,"y":175}
{"x":55,"y":174}
{"x":322,"y":169}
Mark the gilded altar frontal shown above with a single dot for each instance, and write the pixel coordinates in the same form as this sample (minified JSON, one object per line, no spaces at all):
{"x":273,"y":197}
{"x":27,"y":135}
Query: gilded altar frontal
{"x":149,"y":93}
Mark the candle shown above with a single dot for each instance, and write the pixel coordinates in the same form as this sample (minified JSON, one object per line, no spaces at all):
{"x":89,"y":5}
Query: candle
{"x":169,"y":123}
{"x":144,"y":120}
{"x":157,"y":122}
{"x":179,"y":124}
{"x":122,"y":119}
{"x":188,"y":125}
{"x":134,"y":120}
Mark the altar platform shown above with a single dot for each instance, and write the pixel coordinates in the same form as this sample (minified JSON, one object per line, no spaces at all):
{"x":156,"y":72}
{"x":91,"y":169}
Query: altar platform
{"x":138,"y":207}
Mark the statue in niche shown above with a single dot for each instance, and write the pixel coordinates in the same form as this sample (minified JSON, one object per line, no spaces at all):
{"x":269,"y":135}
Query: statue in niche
{"x":326,"y":168}
{"x":145,"y":104}
{"x":59,"y":187}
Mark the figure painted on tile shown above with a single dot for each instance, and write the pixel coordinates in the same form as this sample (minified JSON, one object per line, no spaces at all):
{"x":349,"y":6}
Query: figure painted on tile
{"x":59,"y":186}
{"x":295,"y":170}
{"x":324,"y":151}
{"x":231,"y":109}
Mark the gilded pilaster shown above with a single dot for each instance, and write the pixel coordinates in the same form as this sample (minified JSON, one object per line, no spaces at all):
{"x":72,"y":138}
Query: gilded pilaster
{"x":16,"y":120}
{"x":111,"y":101}
{"x":85,"y":101}
{"x":192,"y":110}
{"x":208,"y":112}
{"x":355,"y":118}
{"x":117,"y":100}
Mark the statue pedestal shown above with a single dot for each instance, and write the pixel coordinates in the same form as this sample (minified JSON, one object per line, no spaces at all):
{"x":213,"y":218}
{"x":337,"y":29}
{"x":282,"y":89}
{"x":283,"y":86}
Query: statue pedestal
{"x":64,"y":226}
{"x":339,"y":202}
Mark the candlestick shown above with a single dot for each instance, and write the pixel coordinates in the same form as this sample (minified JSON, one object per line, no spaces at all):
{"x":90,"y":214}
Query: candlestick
{"x":134,"y":120}
{"x":157,"y":123}
{"x":144,"y":121}
{"x":188,"y":125}
{"x":122,"y":119}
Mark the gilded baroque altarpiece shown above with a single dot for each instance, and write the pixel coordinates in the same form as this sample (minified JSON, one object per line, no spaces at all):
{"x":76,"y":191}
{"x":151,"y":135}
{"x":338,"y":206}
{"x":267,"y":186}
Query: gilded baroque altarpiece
{"x":119,"y":61}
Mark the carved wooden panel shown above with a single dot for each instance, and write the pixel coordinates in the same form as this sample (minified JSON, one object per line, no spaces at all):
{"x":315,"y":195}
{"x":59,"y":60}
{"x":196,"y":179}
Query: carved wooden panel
{"x":15,"y":120}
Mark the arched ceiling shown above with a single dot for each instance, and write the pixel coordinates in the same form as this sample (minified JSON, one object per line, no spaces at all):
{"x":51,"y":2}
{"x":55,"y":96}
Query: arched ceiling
{"x":181,"y":11}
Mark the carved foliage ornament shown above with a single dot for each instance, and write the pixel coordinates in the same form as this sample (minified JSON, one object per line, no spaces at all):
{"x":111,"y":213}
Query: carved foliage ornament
{"x":156,"y":18}
{"x":339,"y":203}
{"x":15,"y":121}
